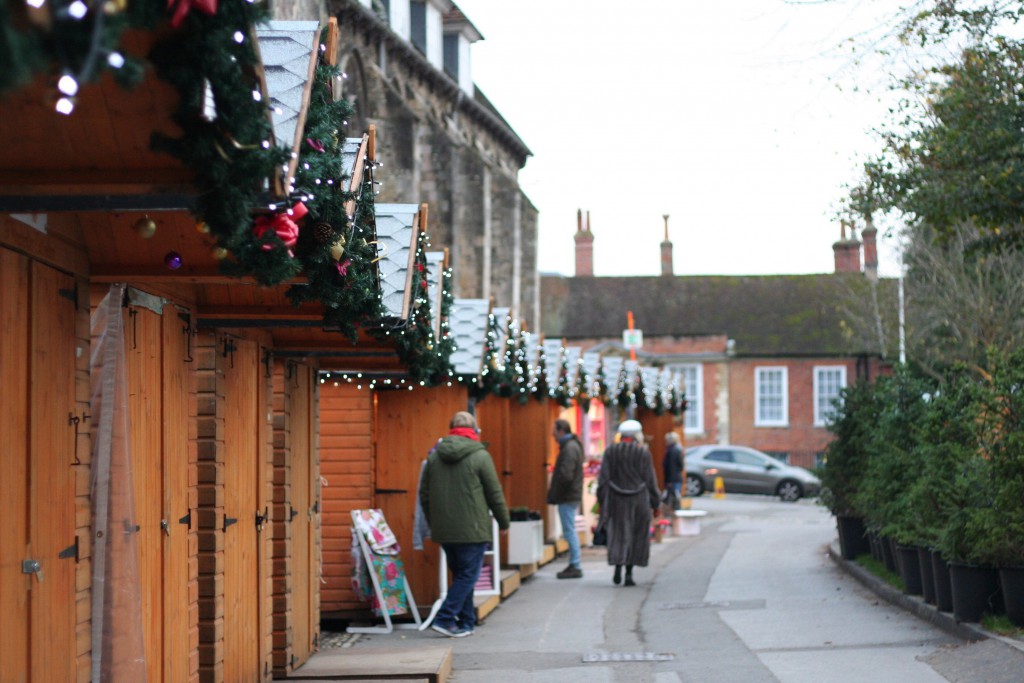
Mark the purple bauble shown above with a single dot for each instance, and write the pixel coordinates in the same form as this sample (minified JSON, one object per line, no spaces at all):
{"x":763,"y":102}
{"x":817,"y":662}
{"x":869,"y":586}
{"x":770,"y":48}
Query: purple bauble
{"x":172,"y":260}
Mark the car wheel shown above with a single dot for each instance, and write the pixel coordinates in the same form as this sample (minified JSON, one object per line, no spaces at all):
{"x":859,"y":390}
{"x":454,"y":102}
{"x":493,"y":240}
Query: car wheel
{"x":694,"y":486}
{"x":789,"y":491}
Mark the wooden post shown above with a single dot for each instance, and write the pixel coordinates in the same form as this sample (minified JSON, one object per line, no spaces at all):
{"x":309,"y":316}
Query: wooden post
{"x":331,"y":56}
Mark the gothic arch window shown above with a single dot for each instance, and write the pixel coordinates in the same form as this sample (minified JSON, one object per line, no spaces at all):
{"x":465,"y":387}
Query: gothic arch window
{"x":353,"y":88}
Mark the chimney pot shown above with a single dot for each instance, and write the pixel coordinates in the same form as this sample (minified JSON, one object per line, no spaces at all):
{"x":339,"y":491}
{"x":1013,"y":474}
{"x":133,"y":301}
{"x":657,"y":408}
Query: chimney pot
{"x":584,"y":247}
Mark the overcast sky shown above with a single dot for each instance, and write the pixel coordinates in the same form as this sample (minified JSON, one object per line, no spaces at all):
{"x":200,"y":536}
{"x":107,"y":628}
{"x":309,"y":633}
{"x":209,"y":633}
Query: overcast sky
{"x":741,"y":120}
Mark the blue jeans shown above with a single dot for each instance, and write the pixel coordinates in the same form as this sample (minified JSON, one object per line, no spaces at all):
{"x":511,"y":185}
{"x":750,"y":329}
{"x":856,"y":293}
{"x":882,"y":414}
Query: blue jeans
{"x":567,"y":515}
{"x":464,"y":561}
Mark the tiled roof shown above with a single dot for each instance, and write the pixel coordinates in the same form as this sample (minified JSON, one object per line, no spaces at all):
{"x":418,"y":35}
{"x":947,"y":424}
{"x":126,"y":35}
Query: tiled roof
{"x":396,"y":239}
{"x":469,"y":329}
{"x":435,"y":277}
{"x":773,"y":315}
{"x":287,"y":49}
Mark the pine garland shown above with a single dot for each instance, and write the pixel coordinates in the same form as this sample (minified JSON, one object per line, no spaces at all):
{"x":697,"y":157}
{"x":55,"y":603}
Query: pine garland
{"x":231,"y":155}
{"x":348,"y":287}
{"x":79,"y":47}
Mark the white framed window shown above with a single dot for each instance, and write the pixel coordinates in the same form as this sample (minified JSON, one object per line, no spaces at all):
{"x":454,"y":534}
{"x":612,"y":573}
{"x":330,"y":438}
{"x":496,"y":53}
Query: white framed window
{"x":829,"y":381}
{"x":771,"y":397}
{"x":693,"y":385}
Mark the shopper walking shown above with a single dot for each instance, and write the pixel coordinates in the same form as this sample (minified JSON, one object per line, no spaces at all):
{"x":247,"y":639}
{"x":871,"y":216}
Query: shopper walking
{"x":459,"y":490}
{"x":566,"y":491}
{"x":627,"y":489}
{"x":673,"y":467}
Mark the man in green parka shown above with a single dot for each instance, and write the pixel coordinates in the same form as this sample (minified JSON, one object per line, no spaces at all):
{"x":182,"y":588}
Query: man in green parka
{"x":459,"y":490}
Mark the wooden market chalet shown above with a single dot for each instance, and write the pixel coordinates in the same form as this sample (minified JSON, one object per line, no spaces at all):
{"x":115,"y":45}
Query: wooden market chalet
{"x":216,"y":345}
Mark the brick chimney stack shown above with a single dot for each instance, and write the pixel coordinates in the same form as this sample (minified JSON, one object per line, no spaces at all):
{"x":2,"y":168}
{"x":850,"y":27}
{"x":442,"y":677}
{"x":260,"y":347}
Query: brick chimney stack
{"x":584,"y":246}
{"x":847,"y":251}
{"x":666,"y":251}
{"x":868,"y":234}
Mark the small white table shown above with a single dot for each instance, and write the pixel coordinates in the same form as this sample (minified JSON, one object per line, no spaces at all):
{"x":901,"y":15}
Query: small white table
{"x":687,"y":522}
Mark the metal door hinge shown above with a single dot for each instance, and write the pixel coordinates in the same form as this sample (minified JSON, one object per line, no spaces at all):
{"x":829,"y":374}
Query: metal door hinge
{"x":228,"y":521}
{"x":70,"y":551}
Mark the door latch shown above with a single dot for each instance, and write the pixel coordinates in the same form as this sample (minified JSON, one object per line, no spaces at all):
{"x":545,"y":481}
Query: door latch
{"x":262,"y":518}
{"x":32,"y":567}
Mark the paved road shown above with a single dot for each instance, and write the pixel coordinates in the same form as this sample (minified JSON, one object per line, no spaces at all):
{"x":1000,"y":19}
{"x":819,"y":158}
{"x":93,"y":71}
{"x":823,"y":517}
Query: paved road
{"x":753,"y":598}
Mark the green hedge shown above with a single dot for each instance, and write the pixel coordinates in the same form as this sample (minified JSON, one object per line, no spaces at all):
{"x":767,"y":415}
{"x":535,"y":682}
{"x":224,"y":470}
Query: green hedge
{"x":937,"y":463}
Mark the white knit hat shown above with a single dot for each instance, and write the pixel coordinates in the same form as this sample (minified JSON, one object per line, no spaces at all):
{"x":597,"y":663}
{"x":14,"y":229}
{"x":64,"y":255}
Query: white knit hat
{"x":630,"y":427}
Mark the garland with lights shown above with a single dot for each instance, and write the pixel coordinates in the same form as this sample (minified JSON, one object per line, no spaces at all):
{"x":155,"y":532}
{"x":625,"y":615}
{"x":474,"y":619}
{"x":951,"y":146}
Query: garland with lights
{"x":335,"y":249}
{"x":70,"y":41}
{"x":230,"y":151}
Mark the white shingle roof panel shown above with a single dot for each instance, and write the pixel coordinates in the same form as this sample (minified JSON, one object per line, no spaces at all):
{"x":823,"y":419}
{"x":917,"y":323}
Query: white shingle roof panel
{"x":395,"y":243}
{"x":468,"y":325}
{"x":287,"y":49}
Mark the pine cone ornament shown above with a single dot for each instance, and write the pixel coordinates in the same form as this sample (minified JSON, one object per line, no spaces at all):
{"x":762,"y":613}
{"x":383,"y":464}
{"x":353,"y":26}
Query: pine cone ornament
{"x":324,"y":233}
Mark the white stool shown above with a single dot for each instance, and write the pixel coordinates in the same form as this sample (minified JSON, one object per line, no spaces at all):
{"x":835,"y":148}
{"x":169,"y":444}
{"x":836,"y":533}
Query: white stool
{"x":687,"y":522}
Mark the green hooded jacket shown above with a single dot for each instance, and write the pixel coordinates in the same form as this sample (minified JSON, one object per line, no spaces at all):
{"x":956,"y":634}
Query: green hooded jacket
{"x":458,"y":487}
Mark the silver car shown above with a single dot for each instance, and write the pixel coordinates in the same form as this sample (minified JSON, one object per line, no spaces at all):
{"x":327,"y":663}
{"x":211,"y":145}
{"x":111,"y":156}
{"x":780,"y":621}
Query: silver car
{"x":746,"y":470}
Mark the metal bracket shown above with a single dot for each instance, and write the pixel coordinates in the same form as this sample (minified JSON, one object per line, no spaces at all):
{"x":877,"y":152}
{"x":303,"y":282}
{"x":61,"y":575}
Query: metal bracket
{"x":75,"y":420}
{"x":189,"y":331}
{"x":262,"y":518}
{"x":186,"y":520}
{"x":229,"y":350}
{"x":228,"y":521}
{"x":30,"y":566}
{"x":70,"y":551}
{"x":293,"y":513}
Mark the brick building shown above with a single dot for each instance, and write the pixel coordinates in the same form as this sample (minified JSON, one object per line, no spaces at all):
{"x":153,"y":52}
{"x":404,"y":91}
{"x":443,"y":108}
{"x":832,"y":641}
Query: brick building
{"x":408,"y":71}
{"x":763,"y":356}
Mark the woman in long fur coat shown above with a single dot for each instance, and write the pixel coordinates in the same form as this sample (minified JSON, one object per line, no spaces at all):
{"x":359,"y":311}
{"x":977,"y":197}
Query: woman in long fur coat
{"x":628,"y":491}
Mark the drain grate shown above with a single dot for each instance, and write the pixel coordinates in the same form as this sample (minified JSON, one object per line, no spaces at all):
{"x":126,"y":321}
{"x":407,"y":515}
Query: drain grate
{"x":716,"y":604}
{"x":591,"y":657}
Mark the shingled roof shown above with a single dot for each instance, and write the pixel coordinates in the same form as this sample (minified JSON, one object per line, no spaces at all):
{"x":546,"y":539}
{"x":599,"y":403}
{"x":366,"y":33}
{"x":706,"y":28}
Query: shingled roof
{"x":772,"y":315}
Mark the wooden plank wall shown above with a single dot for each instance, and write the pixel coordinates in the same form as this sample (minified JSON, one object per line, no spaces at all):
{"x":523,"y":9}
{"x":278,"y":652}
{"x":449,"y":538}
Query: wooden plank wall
{"x":346,"y":465}
{"x":83,"y":488}
{"x":655,"y":428}
{"x":407,"y":425}
{"x":162,"y":403}
{"x":44,"y":368}
{"x":235,"y":482}
{"x":210,"y":389}
{"x":532,"y":450}
{"x":296,"y":574}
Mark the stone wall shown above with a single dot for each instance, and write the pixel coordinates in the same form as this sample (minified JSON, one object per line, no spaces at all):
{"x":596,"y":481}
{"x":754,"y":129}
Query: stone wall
{"x":439,"y":146}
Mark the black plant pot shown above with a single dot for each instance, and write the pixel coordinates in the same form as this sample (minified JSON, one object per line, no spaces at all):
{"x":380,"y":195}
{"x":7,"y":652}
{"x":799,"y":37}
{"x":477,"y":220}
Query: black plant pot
{"x":975,"y":591}
{"x":943,"y":589}
{"x":889,"y":555}
{"x":910,"y":569}
{"x":1011,"y":579}
{"x":924,"y":563}
{"x":876,"y":546}
{"x":853,"y":541}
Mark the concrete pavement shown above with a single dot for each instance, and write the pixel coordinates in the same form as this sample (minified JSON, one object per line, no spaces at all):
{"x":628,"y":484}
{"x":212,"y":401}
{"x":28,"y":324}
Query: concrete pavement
{"x":754,"y":598}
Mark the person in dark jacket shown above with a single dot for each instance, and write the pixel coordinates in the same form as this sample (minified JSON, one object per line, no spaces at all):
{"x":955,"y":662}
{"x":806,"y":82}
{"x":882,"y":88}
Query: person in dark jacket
{"x":566,"y":491}
{"x":459,"y":490}
{"x":627,"y":489}
{"x":673,"y":467}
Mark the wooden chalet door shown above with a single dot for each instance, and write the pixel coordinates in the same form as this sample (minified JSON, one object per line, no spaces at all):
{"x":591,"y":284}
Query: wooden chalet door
{"x":158,"y":378}
{"x":303,"y":561}
{"x":245,"y":417}
{"x":407,"y":424}
{"x":530,"y":448}
{"x":37,"y":472}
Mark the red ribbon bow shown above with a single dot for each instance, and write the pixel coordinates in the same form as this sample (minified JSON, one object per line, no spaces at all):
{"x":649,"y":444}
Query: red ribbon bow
{"x":282,"y":225}
{"x":182,"y":7}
